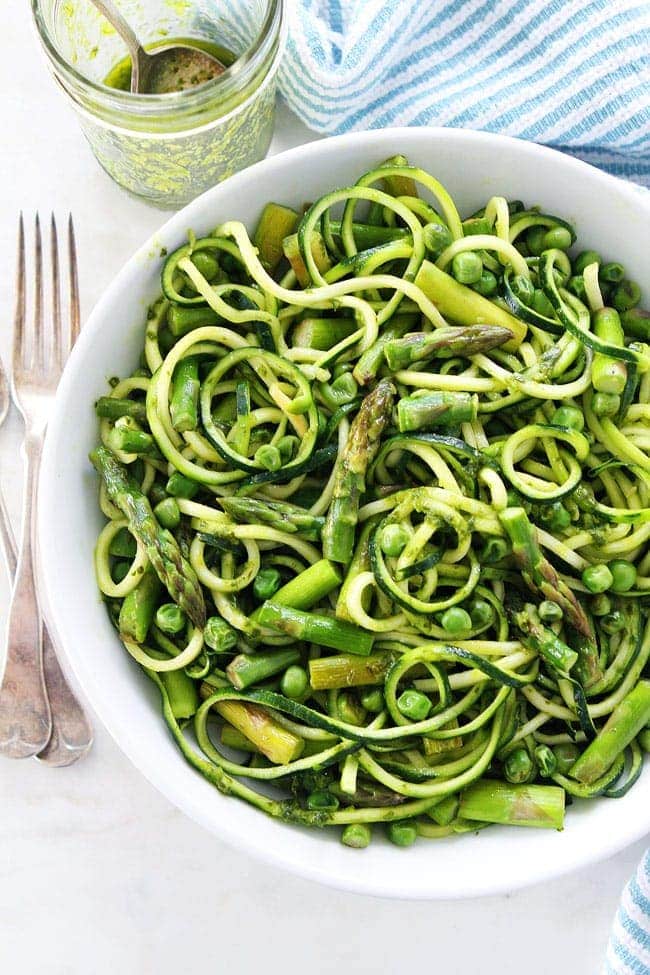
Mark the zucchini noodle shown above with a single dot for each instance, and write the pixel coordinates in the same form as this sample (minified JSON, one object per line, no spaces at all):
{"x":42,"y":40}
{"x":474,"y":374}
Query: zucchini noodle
{"x":378,"y":512}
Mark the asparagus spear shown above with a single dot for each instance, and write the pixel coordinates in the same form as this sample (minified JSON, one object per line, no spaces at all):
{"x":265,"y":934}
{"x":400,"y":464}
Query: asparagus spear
{"x":444,"y":343}
{"x":372,"y":359}
{"x":137,"y":610}
{"x":278,"y":514}
{"x":112,"y":408}
{"x":325,"y":631}
{"x":543,"y":640}
{"x":490,"y":801}
{"x":426,"y":410}
{"x":537,"y":572}
{"x":174,"y":571}
{"x":350,"y":473}
{"x":628,"y":718}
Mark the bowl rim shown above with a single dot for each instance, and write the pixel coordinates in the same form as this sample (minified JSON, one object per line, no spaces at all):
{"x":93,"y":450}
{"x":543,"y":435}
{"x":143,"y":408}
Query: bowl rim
{"x":130,"y":745}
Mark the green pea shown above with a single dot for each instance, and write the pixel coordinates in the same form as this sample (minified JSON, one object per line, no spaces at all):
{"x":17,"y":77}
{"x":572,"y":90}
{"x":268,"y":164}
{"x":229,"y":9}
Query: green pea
{"x":535,"y":240}
{"x":559,"y":238}
{"x":555,"y":516}
{"x":467,"y":267}
{"x":518,"y":766}
{"x":357,"y":836}
{"x":294,"y":682}
{"x":456,"y":621}
{"x":568,"y":416}
{"x":168,"y":513}
{"x":180,"y":486}
{"x":393,"y":540}
{"x":321,"y":799}
{"x":523,"y":288}
{"x":436,"y":238}
{"x":268,"y":457}
{"x":218,"y":635}
{"x":566,"y":754}
{"x":170,"y":618}
{"x":606,"y":404}
{"x":414,"y":705}
{"x":549,"y":612}
{"x":612,"y":273}
{"x":623,"y":575}
{"x":372,"y":700}
{"x":601,"y":605}
{"x":626,"y":296}
{"x":597,"y":578}
{"x":481,"y":613}
{"x":267,"y":582}
{"x":486,"y":285}
{"x":546,"y":761}
{"x":584,"y":259}
{"x":402,"y":833}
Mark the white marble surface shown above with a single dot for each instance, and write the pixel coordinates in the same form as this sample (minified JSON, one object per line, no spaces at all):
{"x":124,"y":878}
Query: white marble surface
{"x":98,"y":873}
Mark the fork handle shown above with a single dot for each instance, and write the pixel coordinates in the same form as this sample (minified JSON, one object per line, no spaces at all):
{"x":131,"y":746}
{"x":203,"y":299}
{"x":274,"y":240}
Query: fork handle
{"x":25,"y":723}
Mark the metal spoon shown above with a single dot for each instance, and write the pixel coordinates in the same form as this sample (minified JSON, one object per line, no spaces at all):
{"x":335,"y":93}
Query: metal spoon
{"x":174,"y":67}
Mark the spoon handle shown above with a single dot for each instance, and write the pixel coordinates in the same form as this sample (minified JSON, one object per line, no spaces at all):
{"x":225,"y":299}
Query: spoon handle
{"x":128,"y":35}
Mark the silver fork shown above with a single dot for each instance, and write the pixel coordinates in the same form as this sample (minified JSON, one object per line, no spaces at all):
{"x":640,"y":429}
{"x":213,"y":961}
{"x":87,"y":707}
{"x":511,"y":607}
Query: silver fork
{"x":32,"y":673}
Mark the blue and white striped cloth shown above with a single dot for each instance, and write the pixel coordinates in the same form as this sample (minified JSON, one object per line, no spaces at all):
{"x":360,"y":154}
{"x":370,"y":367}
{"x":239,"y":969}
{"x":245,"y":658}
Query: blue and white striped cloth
{"x":574,"y":74}
{"x":628,"y":951}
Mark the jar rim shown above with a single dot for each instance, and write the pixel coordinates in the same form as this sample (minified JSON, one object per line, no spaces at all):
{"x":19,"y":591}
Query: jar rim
{"x":188,"y":100}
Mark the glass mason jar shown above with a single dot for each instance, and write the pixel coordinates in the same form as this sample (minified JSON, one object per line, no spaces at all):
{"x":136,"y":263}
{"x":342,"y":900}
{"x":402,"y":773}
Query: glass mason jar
{"x":168,"y":148}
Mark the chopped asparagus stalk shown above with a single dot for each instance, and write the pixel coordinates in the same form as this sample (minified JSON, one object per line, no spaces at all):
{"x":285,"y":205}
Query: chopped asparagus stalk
{"x":625,"y":722}
{"x":139,"y":607}
{"x":185,"y":395}
{"x":293,"y":255}
{"x":543,"y":640}
{"x":492,"y":801}
{"x":325,"y":631}
{"x":278,"y":744}
{"x":423,"y":411}
{"x":276,"y":223}
{"x":247,"y":669}
{"x":348,"y":670}
{"x":463,"y":306}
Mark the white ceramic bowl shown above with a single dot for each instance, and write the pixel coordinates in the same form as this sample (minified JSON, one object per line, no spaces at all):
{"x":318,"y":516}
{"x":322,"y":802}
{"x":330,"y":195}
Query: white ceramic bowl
{"x":611,"y":216}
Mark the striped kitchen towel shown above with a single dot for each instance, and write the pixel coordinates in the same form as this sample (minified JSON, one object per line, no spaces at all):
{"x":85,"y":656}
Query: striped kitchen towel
{"x":574,"y":74}
{"x":628,"y":952}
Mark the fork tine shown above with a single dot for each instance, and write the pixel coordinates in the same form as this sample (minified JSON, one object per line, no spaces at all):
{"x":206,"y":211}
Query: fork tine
{"x":37,"y":349}
{"x":19,"y":317}
{"x":57,"y":343}
{"x":75,"y":310}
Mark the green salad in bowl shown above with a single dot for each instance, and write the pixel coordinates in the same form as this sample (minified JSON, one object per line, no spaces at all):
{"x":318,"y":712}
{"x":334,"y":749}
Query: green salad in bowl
{"x":378,"y":508}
